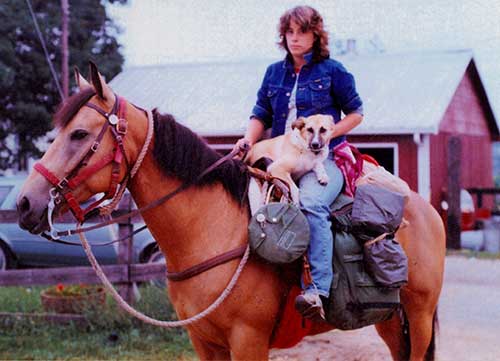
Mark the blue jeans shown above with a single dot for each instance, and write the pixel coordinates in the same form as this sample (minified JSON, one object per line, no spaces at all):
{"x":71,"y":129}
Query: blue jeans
{"x":315,"y":201}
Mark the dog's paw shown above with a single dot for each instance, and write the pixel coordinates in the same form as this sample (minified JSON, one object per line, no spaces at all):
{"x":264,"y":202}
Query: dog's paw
{"x":323,"y":180}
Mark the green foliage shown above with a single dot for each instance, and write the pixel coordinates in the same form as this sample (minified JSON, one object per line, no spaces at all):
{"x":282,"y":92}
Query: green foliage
{"x":110,"y":335}
{"x":28,"y":94}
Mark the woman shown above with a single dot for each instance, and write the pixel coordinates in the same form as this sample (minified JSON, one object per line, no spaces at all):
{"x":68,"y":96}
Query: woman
{"x":308,"y":82}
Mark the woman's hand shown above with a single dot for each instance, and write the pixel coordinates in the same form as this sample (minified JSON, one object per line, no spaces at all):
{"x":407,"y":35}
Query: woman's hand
{"x":242,"y":146}
{"x":253,"y":134}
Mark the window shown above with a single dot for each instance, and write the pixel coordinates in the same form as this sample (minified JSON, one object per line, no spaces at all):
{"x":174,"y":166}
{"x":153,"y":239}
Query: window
{"x":386,"y":154}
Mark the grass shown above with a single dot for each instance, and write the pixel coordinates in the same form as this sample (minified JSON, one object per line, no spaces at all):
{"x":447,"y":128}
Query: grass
{"x":110,"y":334}
{"x":467,"y":253}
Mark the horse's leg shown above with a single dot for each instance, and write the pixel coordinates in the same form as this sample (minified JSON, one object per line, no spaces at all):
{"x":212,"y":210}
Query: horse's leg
{"x":414,"y":341}
{"x":391,"y":332}
{"x":420,"y":312}
{"x":249,"y":343}
{"x":424,"y":242}
{"x":208,"y":351}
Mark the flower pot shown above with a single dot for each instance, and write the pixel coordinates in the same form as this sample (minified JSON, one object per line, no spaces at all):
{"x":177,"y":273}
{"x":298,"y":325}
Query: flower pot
{"x":73,"y":304}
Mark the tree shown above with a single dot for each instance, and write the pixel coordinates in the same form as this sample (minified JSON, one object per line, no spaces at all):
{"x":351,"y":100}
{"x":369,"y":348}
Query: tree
{"x":28,"y":93}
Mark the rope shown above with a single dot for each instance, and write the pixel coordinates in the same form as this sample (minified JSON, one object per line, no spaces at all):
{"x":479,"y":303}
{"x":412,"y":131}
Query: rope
{"x":46,"y":52}
{"x":145,"y":147}
{"x":107,"y":209}
{"x":166,"y":324}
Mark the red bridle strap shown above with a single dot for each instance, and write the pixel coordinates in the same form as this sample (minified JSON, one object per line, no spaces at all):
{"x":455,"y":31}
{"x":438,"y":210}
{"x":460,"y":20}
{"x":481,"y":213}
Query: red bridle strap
{"x":51,"y":177}
{"x":62,"y":185}
{"x":85,"y":173}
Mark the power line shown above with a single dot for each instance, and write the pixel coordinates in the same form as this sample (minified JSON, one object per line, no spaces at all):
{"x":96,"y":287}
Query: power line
{"x":42,"y":41}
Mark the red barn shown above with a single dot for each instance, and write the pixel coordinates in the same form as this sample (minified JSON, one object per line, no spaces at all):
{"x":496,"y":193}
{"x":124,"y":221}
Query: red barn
{"x":427,"y":115}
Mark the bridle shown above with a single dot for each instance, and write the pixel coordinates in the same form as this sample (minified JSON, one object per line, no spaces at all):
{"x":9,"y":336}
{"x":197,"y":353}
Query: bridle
{"x":63,"y":188}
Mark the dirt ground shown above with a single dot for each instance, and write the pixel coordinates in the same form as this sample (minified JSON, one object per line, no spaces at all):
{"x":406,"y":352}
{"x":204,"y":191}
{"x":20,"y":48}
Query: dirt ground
{"x":469,"y":316}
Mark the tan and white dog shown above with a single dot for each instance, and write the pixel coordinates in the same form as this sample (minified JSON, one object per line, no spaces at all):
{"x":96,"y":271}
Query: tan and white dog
{"x":303,"y":149}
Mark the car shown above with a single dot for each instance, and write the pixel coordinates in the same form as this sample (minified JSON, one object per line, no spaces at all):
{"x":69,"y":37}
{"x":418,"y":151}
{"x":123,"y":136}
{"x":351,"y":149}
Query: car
{"x":21,"y":249}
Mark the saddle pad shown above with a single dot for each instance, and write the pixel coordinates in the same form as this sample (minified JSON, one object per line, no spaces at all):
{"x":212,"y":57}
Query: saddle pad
{"x":256,"y":195}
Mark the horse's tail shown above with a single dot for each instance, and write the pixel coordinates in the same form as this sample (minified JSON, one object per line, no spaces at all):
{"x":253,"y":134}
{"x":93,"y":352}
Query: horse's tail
{"x":431,"y":349}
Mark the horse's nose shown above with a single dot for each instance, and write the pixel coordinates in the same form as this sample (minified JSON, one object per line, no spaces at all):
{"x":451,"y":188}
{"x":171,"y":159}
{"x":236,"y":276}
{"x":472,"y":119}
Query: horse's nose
{"x":23,"y":205}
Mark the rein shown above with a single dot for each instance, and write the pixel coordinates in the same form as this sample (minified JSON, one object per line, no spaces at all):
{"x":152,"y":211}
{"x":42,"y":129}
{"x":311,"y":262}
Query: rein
{"x":149,"y":206}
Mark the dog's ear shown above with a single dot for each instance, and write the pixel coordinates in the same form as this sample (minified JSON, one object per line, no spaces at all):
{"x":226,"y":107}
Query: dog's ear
{"x":299,"y":123}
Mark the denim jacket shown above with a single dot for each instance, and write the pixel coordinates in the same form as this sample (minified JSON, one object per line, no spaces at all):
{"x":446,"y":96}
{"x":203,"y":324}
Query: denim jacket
{"x":324,"y":87}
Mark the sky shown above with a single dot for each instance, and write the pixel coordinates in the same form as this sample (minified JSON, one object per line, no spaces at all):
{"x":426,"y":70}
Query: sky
{"x":163,"y":31}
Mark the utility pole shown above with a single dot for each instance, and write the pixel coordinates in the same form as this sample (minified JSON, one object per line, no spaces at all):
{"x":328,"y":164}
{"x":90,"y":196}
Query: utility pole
{"x":64,"y":48}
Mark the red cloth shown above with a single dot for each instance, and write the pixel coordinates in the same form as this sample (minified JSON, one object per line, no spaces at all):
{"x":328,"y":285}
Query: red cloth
{"x":292,"y":327}
{"x":350,"y":162}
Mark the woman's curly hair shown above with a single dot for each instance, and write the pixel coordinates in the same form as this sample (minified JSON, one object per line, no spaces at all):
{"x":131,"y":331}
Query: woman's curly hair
{"x":307,"y":18}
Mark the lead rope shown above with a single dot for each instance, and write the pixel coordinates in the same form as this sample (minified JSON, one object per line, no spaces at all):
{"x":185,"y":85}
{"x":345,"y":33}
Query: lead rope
{"x":109,"y":287}
{"x":167,"y":324}
{"x":107,"y":209}
{"x":116,"y":296}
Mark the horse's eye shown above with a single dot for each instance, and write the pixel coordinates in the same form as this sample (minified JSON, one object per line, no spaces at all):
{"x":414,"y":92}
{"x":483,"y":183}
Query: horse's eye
{"x":310,"y":130}
{"x":79,"y":134}
{"x":322,"y":130}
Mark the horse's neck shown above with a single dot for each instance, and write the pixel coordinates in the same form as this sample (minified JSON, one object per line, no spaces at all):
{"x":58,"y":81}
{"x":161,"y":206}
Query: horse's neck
{"x":196,"y":224}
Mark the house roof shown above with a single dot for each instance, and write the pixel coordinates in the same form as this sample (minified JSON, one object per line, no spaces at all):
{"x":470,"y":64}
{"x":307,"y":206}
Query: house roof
{"x":402,"y":93}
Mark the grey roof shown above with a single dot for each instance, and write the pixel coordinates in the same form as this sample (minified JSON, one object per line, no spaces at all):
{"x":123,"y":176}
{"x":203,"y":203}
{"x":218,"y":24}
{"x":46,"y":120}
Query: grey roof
{"x":402,"y":93}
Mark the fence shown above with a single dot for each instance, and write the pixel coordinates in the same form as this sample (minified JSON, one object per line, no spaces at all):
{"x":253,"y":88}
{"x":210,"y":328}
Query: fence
{"x":124,"y":274}
{"x":480,"y":193}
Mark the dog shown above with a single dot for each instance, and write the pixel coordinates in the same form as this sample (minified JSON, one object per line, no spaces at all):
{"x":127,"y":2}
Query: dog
{"x":294,"y":154}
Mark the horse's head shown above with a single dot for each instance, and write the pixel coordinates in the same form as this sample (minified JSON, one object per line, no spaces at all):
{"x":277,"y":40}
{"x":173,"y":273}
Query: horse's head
{"x":84,"y":159}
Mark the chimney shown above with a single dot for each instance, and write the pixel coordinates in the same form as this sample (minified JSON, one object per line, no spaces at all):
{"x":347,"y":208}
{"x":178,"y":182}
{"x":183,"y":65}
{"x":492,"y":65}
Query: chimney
{"x":351,"y":47}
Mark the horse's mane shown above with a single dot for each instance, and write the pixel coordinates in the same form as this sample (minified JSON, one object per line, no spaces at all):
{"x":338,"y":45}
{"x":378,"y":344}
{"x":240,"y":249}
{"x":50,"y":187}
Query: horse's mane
{"x":69,"y":107}
{"x":181,"y":153}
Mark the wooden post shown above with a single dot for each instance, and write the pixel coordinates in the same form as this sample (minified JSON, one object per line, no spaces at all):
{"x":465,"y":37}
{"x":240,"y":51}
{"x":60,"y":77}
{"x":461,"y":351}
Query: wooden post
{"x":453,"y":196}
{"x":125,"y":254}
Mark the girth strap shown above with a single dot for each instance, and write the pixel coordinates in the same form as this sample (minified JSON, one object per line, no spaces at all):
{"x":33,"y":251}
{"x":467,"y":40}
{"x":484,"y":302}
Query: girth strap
{"x":206,"y":265}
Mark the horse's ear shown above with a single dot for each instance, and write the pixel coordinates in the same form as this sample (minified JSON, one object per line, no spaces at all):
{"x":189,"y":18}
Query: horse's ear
{"x":80,"y":80}
{"x":102,"y":89}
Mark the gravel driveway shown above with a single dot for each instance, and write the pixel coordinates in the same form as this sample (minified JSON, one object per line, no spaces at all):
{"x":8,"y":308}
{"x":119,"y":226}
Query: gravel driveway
{"x":469,"y":315}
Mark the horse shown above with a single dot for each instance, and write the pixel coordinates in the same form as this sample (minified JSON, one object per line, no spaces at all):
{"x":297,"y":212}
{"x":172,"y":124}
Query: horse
{"x":208,"y":218}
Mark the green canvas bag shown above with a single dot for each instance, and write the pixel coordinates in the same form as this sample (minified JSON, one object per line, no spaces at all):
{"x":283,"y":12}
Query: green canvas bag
{"x":279,"y":232}
{"x":356,"y":299}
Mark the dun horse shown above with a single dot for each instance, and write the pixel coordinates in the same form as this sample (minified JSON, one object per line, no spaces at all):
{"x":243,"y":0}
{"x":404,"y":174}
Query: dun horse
{"x":210,"y":218}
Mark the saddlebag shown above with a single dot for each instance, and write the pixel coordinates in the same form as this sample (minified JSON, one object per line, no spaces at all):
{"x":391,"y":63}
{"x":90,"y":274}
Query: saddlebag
{"x":278,"y":232}
{"x":356,"y":298}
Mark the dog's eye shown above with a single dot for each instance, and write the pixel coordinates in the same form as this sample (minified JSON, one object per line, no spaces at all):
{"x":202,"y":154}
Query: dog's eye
{"x":310,"y":130}
{"x":322,"y":130}
{"x":79,"y":134}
